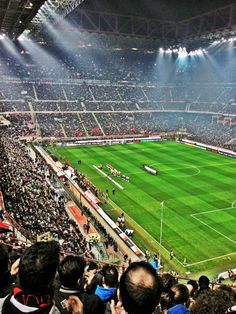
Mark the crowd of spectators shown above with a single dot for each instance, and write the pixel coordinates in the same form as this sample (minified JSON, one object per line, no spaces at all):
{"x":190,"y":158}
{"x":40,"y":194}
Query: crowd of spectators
{"x":218,"y":135}
{"x":34,"y":205}
{"x":209,"y":99}
{"x":49,"y":91}
{"x":21,"y":125}
{"x":45,"y":280}
{"x":60,"y":125}
{"x":90,"y":124}
{"x":15,"y":90}
{"x":14,"y":106}
{"x":111,"y":93}
{"x":205,"y":128}
{"x":31,"y":202}
{"x":111,"y":97}
{"x":61,"y":106}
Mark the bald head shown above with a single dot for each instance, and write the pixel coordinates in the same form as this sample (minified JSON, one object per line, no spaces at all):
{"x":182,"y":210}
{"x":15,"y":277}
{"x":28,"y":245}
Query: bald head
{"x":140,"y":288}
{"x":141,"y":277}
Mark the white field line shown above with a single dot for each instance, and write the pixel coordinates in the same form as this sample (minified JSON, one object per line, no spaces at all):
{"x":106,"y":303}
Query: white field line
{"x":201,"y":166}
{"x":109,"y":178}
{"x":193,"y":215}
{"x":153,"y":240}
{"x":185,"y":175}
{"x":210,"y":259}
{"x":220,"y":233}
{"x":184,"y":167}
{"x":212,"y":211}
{"x":224,"y":236}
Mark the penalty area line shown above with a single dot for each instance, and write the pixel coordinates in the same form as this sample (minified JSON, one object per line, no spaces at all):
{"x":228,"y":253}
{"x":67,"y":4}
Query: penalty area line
{"x":109,"y":178}
{"x":211,"y":259}
{"x":220,"y":233}
{"x":212,"y":211}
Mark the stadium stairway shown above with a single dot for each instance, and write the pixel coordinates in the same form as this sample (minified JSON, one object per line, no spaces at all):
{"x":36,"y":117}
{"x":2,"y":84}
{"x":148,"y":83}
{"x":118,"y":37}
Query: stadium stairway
{"x":63,"y":130}
{"x":84,"y":128}
{"x":100,"y":252}
{"x":99,"y":125}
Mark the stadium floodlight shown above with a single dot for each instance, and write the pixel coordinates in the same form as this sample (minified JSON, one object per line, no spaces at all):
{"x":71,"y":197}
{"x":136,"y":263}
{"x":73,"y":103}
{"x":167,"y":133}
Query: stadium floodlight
{"x":223,"y":40}
{"x":52,"y":11}
{"x":2,"y":36}
{"x":182,"y":52}
{"x":169,"y":50}
{"x":215,"y":42}
{"x":197,"y":52}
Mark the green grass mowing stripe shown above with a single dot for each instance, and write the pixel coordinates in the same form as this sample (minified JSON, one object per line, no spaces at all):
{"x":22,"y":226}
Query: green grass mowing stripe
{"x":223,"y":221}
{"x":217,"y":242}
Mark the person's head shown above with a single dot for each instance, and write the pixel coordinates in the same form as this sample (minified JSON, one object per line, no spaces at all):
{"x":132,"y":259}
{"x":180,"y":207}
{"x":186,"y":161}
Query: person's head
{"x":140,"y":288}
{"x":92,"y":266}
{"x":231,"y":292}
{"x":212,"y":301}
{"x":168,"y":281}
{"x":38,"y":266}
{"x":203,"y":282}
{"x":178,"y":294}
{"x":194,"y":285}
{"x":4,"y":259}
{"x":71,"y":270}
{"x":110,"y":276}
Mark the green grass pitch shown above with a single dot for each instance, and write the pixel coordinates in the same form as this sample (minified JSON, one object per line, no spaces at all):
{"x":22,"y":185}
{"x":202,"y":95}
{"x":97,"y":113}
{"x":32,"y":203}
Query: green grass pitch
{"x":198,"y":189}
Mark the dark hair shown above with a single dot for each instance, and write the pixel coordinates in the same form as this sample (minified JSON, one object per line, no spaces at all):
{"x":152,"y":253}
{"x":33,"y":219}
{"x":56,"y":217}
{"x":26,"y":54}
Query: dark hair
{"x":203,"y":282}
{"x":178,"y":294}
{"x":70,"y":270}
{"x":167,"y":281}
{"x":229,"y":290}
{"x":38,"y":266}
{"x":194,"y":284}
{"x":4,"y":259}
{"x":140,"y":288}
{"x":92,"y":265}
{"x":110,"y":275}
{"x":181,"y":294}
{"x":212,"y":301}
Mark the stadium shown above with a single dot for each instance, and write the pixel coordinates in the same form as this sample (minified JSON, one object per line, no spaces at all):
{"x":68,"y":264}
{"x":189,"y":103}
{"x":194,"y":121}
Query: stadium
{"x":118,"y":149}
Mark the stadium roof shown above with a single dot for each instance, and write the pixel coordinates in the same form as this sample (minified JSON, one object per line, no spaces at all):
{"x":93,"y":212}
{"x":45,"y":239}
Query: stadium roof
{"x":174,"y":10}
{"x":178,"y":18}
{"x":16,"y":14}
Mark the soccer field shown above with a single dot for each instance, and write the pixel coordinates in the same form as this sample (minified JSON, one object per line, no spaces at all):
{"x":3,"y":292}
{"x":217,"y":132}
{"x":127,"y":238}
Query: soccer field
{"x":198,"y":189}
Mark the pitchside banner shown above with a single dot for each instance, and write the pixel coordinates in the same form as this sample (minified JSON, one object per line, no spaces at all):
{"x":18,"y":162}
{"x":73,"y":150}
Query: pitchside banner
{"x":227,"y":154}
{"x":213,"y":149}
{"x":124,"y":140}
{"x":92,"y":197}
